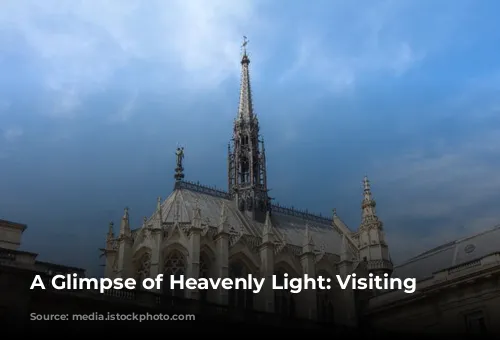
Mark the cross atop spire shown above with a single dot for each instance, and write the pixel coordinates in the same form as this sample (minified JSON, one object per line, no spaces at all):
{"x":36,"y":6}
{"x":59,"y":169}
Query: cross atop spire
{"x":245,"y":108}
{"x":244,"y":46}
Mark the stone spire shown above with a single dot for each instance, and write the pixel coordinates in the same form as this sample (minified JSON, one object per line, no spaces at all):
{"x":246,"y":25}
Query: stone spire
{"x":197,"y":216}
{"x":267,"y":232}
{"x":368,"y":213}
{"x":307,"y":243}
{"x":373,"y":248}
{"x":111,"y":235}
{"x":245,"y":108}
{"x":125,"y":224}
{"x":223,"y":225}
{"x":247,"y":169}
{"x":158,"y":213}
{"x":158,"y":205}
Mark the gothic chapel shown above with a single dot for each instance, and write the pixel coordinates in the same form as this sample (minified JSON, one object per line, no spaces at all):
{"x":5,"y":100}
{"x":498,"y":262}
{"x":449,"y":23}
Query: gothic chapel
{"x":199,"y":231}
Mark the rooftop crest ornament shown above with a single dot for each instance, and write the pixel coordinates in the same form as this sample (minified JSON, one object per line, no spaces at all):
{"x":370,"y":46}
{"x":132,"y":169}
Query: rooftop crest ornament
{"x":179,"y":153}
{"x":179,"y":170}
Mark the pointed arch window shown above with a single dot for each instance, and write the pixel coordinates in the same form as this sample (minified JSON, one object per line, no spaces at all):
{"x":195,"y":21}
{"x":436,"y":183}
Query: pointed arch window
{"x":204,"y":273}
{"x":284,"y":301}
{"x":143,"y":268}
{"x":240,"y":298}
{"x":175,"y":265}
{"x":324,"y":302}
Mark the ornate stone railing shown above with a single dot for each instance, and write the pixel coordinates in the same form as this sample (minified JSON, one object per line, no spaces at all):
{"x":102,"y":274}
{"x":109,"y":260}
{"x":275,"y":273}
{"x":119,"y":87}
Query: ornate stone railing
{"x":17,"y":258}
{"x":464,"y":266}
{"x":202,"y":189}
{"x":7,"y":255}
{"x":305,"y":214}
{"x":291,"y":211}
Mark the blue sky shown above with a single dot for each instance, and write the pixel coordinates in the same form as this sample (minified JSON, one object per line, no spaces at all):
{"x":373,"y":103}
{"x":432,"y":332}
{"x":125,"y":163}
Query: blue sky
{"x":95,"y":96}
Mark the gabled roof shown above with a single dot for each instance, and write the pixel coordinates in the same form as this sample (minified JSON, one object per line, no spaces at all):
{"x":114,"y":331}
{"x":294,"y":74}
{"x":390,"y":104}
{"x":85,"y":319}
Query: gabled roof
{"x":289,"y":223}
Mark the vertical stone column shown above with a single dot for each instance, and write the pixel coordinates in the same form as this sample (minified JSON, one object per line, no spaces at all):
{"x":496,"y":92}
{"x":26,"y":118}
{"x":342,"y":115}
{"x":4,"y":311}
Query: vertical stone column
{"x":194,"y":259}
{"x":222,"y":244}
{"x":124,"y":260}
{"x":348,"y":303}
{"x":125,"y":243}
{"x":155,"y":270}
{"x":266,"y":298}
{"x":109,"y":271}
{"x":307,"y":260}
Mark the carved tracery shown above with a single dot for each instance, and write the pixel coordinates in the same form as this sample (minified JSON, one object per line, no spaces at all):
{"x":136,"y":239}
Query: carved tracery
{"x":240,"y":298}
{"x":143,"y":268}
{"x":325,"y":302}
{"x":204,"y":273}
{"x":284,"y":301}
{"x":174,"y":266}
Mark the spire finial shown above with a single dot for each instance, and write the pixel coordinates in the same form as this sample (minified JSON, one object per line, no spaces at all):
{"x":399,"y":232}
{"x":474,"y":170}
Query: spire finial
{"x":245,"y":59}
{"x":110,"y":229}
{"x":244,"y":45}
{"x":125,"y":223}
{"x":110,"y":237}
{"x":366,"y":183}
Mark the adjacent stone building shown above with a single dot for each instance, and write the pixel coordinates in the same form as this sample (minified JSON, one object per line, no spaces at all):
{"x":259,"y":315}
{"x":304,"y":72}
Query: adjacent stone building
{"x":458,"y":289}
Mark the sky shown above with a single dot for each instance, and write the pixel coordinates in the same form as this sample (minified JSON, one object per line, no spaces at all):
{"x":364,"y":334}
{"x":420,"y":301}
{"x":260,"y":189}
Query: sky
{"x":96,"y":95}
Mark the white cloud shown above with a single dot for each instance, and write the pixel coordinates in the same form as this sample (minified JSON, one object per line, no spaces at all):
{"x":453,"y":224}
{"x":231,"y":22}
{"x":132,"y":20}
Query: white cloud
{"x":445,"y":183}
{"x":455,"y":177}
{"x":339,"y":71}
{"x":81,"y":45}
{"x":380,"y":36}
{"x":127,"y":110}
{"x":12,"y":134}
{"x":405,"y":244}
